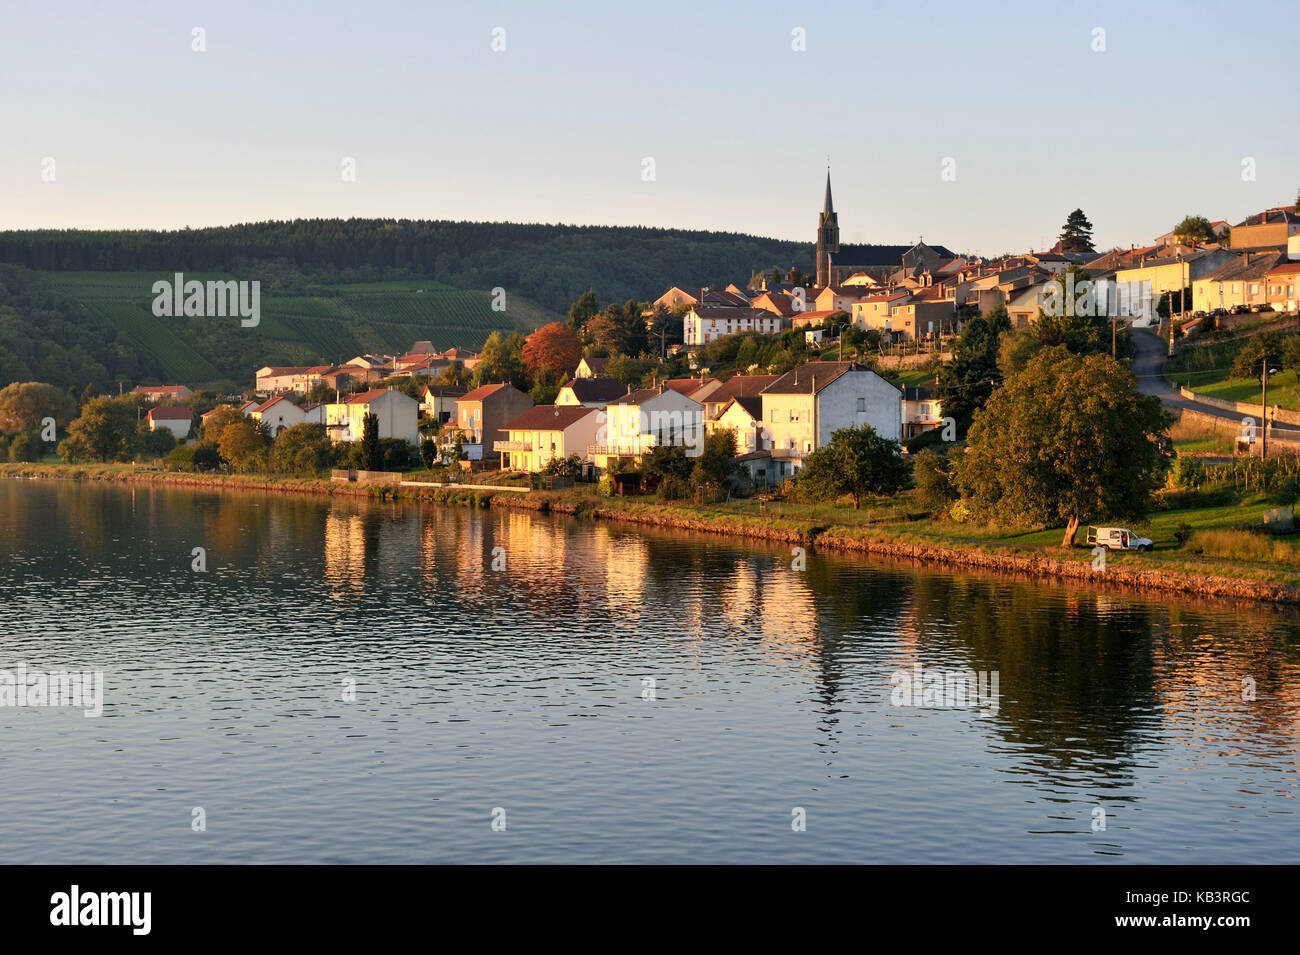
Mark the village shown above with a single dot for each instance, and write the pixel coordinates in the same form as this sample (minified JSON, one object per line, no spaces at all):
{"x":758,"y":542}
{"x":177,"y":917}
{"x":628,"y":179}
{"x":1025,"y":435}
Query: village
{"x":909,"y":303}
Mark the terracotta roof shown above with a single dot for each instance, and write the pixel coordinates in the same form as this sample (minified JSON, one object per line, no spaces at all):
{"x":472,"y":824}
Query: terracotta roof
{"x":483,"y":391}
{"x":596,"y":364}
{"x":279,"y":371}
{"x":549,"y":418}
{"x":686,"y":386}
{"x":278,"y":398}
{"x":1289,"y":268}
{"x":365,"y":397}
{"x":171,"y":413}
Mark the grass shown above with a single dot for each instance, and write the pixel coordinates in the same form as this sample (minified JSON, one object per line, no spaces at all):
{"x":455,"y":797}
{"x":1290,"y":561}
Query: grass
{"x":328,"y":323}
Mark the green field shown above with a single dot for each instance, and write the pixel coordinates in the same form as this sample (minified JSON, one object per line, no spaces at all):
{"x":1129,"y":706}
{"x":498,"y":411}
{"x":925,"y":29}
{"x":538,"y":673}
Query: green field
{"x":321,"y":324}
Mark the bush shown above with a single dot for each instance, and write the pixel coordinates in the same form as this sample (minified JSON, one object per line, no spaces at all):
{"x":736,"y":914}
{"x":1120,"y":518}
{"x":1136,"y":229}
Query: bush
{"x":1183,"y":533}
{"x":605,"y":487}
{"x":934,"y":489}
{"x":180,"y":458}
{"x":673,"y":488}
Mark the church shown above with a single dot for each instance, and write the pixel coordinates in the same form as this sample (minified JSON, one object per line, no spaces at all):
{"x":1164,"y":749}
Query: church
{"x":835,"y":263}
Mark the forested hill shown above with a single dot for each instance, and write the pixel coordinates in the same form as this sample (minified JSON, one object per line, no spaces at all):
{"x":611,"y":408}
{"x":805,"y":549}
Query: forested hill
{"x":549,"y":264}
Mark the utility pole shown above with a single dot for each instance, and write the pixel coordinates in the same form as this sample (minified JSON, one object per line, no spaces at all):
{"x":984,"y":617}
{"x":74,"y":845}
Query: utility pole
{"x":1263,"y":407}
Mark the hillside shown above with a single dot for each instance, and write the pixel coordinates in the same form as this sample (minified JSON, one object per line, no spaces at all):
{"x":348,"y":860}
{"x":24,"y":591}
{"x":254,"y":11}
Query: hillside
{"x":75,"y":328}
{"x":547,"y":264}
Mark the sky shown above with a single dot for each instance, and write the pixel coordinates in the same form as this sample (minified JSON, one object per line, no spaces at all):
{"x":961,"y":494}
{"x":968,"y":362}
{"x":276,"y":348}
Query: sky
{"x":977,"y":126}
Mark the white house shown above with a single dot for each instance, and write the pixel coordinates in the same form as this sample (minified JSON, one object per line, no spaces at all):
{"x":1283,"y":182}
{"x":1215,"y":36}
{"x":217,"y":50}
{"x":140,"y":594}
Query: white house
{"x":702,"y":324}
{"x":547,"y":432}
{"x":744,"y":416}
{"x":922,"y":411}
{"x":278,"y":414}
{"x":804,"y":406}
{"x":641,"y":420}
{"x":175,"y":418}
{"x":398,"y":416}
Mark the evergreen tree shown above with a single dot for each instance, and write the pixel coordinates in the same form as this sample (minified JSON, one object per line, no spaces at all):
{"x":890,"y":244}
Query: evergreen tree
{"x":1076,"y":235}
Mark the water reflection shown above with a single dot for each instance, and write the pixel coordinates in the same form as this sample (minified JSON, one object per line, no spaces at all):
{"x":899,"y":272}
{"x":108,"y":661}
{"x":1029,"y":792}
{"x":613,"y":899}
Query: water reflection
{"x":524,"y":639}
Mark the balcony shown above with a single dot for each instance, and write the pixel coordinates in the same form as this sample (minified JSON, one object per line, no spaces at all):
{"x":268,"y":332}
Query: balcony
{"x":512,"y":446}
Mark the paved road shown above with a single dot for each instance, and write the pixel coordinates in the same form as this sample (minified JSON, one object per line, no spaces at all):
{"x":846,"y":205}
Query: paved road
{"x":1149,"y":354}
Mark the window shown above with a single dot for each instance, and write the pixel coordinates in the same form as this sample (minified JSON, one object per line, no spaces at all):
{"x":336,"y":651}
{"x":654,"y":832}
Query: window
{"x":862,"y":405}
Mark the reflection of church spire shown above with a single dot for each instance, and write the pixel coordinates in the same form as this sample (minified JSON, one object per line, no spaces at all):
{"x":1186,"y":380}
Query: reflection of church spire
{"x":828,"y":236}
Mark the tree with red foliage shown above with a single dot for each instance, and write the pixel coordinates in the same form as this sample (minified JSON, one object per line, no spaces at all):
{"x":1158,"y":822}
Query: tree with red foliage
{"x":553,"y":348}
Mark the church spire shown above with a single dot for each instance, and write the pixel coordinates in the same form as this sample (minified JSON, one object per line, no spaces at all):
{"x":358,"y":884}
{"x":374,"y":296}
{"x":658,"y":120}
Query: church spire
{"x":828,"y":208}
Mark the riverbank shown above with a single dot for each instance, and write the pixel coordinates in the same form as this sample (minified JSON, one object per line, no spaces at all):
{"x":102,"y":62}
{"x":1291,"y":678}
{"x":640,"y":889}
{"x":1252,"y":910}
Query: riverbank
{"x":1163,"y":571}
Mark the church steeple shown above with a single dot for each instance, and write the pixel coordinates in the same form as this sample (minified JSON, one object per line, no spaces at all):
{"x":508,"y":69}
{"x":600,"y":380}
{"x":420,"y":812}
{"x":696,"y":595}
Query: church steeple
{"x":828,"y":236}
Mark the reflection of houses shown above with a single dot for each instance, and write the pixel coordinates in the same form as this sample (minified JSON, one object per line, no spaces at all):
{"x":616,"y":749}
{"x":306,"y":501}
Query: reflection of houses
{"x":397,"y":416}
{"x":546,"y":433}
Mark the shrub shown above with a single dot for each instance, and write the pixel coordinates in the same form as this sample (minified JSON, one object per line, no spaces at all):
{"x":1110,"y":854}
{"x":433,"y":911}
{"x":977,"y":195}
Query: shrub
{"x":1183,"y":533}
{"x":934,"y":489}
{"x":180,"y":458}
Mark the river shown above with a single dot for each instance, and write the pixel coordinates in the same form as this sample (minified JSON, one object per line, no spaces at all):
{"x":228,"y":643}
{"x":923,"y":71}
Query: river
{"x":352,"y":681}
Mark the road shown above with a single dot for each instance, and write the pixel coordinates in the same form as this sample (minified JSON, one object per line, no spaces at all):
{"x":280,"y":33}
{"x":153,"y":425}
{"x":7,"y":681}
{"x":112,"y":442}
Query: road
{"x":1149,"y":354}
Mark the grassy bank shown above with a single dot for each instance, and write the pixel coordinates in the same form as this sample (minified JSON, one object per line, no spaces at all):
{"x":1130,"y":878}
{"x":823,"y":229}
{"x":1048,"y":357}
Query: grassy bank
{"x":1216,"y":558}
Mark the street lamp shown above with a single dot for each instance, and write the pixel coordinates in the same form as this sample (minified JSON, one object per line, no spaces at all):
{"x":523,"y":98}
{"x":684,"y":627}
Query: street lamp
{"x":1264,"y":372}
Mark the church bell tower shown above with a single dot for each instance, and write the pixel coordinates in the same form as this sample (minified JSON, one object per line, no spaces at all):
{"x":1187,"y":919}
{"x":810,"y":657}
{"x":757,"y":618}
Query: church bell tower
{"x":828,"y":237}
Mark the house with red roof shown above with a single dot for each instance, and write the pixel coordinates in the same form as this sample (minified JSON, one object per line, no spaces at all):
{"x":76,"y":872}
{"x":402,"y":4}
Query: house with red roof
{"x":545,"y":433}
{"x":173,"y":393}
{"x":175,"y":418}
{"x":278,"y":414}
{"x":482,"y":414}
{"x":397,"y":413}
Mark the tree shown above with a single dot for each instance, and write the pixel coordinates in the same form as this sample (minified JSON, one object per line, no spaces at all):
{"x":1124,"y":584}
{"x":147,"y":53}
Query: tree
{"x":502,"y":360}
{"x":243,"y":445}
{"x":1194,"y":230}
{"x":933,"y":479}
{"x":968,"y":380}
{"x":1068,"y":438}
{"x":215,"y":424}
{"x":154,"y":442}
{"x":1249,"y":362}
{"x":302,"y":449}
{"x":858,"y":461}
{"x":105,"y":431}
{"x":1076,"y":234}
{"x":714,"y":466}
{"x":428,"y":452}
{"x":1015,"y":348}
{"x":552,"y":350}
{"x":25,"y":404}
{"x":371,"y":454}
{"x":585,"y":307}
{"x":1071,"y":316}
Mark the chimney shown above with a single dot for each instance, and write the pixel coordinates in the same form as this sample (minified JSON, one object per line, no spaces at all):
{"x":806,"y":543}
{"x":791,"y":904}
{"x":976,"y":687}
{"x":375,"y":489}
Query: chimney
{"x":814,"y":384}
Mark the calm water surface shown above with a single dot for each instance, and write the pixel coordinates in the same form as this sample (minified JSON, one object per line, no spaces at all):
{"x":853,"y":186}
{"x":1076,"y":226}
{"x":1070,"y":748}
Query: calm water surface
{"x":522,"y":689}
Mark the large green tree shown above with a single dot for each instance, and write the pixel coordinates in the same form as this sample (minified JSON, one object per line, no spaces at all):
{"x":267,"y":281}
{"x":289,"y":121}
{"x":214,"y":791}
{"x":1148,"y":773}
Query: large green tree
{"x":502,"y":360}
{"x":1068,"y":438}
{"x":1076,"y":234}
{"x":966,"y":382}
{"x":25,"y":404}
{"x":106,"y":430}
{"x":858,"y":461}
{"x":1194,"y":230}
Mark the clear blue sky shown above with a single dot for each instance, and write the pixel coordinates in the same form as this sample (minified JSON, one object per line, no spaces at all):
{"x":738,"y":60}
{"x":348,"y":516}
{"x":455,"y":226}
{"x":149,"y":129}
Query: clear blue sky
{"x":147,"y":133}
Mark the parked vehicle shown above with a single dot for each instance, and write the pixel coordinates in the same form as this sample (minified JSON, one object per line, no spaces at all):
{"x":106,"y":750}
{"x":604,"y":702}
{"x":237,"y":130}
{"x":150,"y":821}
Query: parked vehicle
{"x":1263,"y":308}
{"x":1241,"y":310}
{"x":1118,"y":538}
